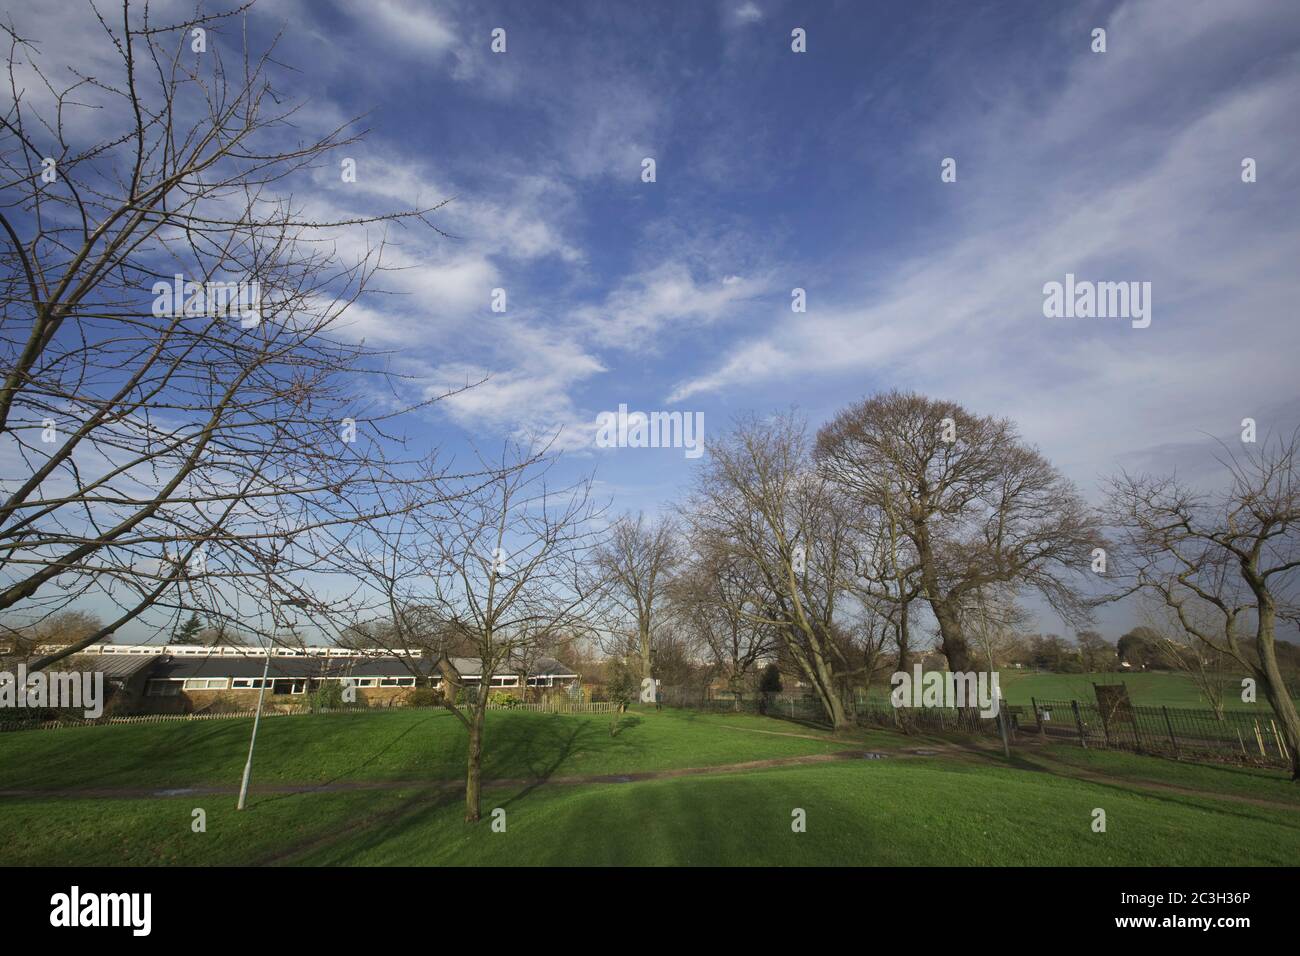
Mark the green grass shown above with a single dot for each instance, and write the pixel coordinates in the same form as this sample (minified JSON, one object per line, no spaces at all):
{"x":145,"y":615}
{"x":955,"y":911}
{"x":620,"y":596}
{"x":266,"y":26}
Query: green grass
{"x":968,"y":809}
{"x":389,"y":745}
{"x":1146,"y":689}
{"x":1254,"y":782}
{"x":858,"y":813}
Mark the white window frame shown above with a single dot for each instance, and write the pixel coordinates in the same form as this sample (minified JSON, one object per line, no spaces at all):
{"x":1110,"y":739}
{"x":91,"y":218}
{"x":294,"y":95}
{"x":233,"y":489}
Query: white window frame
{"x":207,"y":683}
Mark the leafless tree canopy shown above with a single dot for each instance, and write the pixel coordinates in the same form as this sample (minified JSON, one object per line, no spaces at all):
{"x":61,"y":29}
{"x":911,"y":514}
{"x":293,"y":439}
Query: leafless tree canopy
{"x":635,"y":564}
{"x":761,"y":507}
{"x":495,"y":568}
{"x":708,"y":597}
{"x":1224,"y":562}
{"x":977,"y":506}
{"x":181,"y":452}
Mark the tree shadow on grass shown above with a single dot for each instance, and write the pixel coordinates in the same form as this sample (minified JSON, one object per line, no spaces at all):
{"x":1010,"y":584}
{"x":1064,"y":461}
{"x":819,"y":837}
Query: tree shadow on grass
{"x":542,"y":750}
{"x":342,"y":846}
{"x":619,"y":724}
{"x":351,"y":771}
{"x":1224,"y":803}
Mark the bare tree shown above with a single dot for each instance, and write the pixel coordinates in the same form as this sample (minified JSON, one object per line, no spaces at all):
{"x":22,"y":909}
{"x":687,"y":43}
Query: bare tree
{"x":177,"y":402}
{"x":707,"y":598}
{"x":1224,"y":562}
{"x":977,"y":505}
{"x":759,"y":502}
{"x":992,"y":617}
{"x":884,"y":573}
{"x":60,"y":628}
{"x":636,"y":562}
{"x":496,"y":567}
{"x":1095,"y":652}
{"x":1183,"y":651}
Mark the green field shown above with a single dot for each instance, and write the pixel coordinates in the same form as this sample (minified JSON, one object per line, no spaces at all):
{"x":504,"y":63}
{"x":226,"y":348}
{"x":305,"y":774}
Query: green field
{"x":1145,"y":688}
{"x":107,"y":795}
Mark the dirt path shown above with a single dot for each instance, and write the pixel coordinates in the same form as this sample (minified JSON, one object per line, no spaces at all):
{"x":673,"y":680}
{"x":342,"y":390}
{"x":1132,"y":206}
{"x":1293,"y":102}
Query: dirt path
{"x":976,"y":752}
{"x":1092,"y":776}
{"x":929,"y":749}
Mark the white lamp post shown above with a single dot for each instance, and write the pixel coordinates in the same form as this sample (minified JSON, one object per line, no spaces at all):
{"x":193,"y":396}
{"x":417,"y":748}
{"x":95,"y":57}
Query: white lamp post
{"x":257,"y":715}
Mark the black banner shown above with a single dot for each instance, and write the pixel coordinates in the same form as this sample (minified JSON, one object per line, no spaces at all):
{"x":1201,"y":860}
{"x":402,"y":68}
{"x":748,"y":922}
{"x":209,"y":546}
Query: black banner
{"x":144,"y":906}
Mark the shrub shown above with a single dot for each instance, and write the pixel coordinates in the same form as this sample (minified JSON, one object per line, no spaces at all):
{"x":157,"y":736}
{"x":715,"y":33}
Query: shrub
{"x":328,"y":696}
{"x":770,"y":681}
{"x":621,"y":685}
{"x":223,"y":704}
{"x":422,"y":697}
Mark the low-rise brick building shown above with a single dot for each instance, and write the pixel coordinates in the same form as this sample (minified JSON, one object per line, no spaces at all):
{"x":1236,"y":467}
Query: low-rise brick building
{"x":172,"y":678}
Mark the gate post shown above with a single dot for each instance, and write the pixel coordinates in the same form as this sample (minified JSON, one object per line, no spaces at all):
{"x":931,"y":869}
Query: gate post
{"x":1170,"y":724}
{"x":1078,"y":722}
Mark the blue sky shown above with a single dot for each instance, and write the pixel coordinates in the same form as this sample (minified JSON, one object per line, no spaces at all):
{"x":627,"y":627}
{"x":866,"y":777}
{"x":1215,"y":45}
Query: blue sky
{"x":818,"y":170}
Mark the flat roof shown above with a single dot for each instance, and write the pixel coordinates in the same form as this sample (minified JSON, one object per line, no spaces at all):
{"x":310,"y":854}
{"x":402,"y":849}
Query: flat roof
{"x":222,"y":666}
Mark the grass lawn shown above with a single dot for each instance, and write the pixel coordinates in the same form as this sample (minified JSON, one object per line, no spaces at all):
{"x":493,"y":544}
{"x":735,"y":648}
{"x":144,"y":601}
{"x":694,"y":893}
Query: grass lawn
{"x":389,"y":745}
{"x":1253,"y":782}
{"x":1145,"y":688}
{"x":941,"y":809}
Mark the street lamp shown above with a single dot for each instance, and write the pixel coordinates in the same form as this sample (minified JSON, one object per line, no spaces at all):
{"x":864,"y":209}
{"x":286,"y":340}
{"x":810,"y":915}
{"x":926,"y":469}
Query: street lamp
{"x":257,"y":715}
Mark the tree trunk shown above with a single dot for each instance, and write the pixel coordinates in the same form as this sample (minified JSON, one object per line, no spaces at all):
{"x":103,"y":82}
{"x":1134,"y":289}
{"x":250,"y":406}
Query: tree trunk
{"x":473,"y":777}
{"x":643,"y":641}
{"x":824,"y":683}
{"x":954,"y":642}
{"x":1275,"y":689}
{"x":904,"y":641}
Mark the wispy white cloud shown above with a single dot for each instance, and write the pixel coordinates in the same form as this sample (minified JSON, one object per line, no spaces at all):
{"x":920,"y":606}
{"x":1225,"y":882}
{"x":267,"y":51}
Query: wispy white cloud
{"x":1076,"y":184}
{"x":645,"y":308}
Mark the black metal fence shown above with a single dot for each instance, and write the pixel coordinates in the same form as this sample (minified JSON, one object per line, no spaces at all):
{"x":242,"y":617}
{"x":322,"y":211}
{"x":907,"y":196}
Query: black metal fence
{"x":862,"y":710}
{"x":1191,"y":733}
{"x":872,"y":712}
{"x":802,"y":707}
{"x":1239,"y":736}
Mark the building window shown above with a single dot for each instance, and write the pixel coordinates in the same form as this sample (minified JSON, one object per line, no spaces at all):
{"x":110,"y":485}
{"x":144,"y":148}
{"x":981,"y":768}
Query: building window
{"x":248,"y":683}
{"x":164,"y":687}
{"x":206,"y":683}
{"x":512,"y":681}
{"x":397,"y":682}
